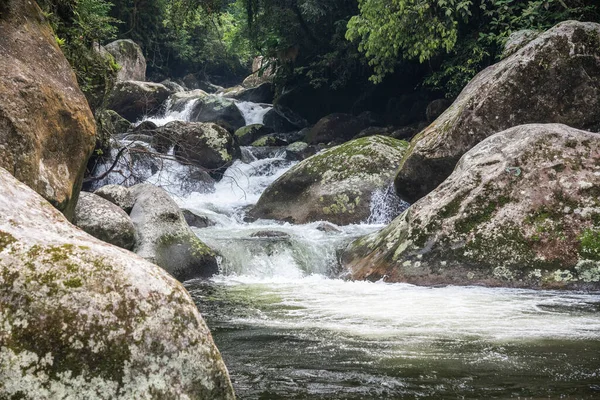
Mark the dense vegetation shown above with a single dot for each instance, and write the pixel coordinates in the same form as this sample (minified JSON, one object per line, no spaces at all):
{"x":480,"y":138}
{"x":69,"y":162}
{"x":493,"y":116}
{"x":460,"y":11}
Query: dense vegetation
{"x":332,"y":44}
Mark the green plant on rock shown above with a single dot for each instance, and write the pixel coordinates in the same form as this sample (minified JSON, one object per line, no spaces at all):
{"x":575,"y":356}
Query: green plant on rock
{"x":589,"y":244}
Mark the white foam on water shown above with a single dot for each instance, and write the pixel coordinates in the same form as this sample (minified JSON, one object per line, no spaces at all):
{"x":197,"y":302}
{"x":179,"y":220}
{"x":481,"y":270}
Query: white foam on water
{"x":253,"y":113}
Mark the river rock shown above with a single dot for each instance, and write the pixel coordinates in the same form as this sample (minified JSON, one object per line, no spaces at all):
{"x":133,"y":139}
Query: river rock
{"x":47,"y":131}
{"x":84,"y":319}
{"x":269,"y":141}
{"x":118,"y":195}
{"x":555,"y":78}
{"x":173,"y":86}
{"x":299,"y":151}
{"x":335,"y":127}
{"x":205,"y":145}
{"x":328,"y":227}
{"x":335,"y":185}
{"x":282,"y":119}
{"x":104,"y":220}
{"x":195,"y":220}
{"x":249,"y":133}
{"x":135,"y":99}
{"x":130,"y":58}
{"x":270,"y":235}
{"x":164,"y":238}
{"x":522,"y":208}
{"x":213,"y":108}
{"x":263,"y":93}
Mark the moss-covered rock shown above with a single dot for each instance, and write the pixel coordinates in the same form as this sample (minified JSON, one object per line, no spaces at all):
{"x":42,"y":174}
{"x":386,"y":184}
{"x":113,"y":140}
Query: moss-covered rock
{"x":47,"y":130}
{"x":104,"y":220}
{"x":164,"y":238}
{"x":130,"y":58}
{"x":84,"y":319}
{"x":522,"y":208}
{"x":553,"y":79}
{"x":213,"y":108}
{"x":249,"y":133}
{"x":269,"y":141}
{"x":134,"y":99}
{"x":108,"y":124}
{"x":335,"y":185}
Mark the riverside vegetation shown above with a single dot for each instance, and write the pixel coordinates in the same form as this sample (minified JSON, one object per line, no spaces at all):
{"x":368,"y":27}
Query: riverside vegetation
{"x":247,"y":150}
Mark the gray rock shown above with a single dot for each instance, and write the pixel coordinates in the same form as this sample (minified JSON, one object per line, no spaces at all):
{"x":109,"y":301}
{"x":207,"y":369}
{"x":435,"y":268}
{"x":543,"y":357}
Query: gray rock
{"x":282,"y":119}
{"x":134,"y":99}
{"x":263,"y":93}
{"x":328,"y":227}
{"x":335,"y":127}
{"x":195,"y":220}
{"x":84,"y":319}
{"x":299,"y":151}
{"x":335,"y":185}
{"x":249,"y":133}
{"x":436,"y":108}
{"x":555,"y":78}
{"x":517,"y":40}
{"x":173,"y":86}
{"x":130,"y":58}
{"x":521,"y":209}
{"x":118,"y":195}
{"x":104,"y":220}
{"x":164,"y":238}
{"x":213,"y":108}
{"x":270,"y":235}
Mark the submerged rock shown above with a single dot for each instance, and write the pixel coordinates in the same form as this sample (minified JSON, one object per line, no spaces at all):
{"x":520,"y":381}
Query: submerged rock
{"x":553,"y":79}
{"x":522,"y":208}
{"x":270,"y":234}
{"x":335,"y":185}
{"x":47,"y":130}
{"x":195,"y":220}
{"x":130,"y":58}
{"x":84,"y":319}
{"x":164,"y":238}
{"x":104,"y":220}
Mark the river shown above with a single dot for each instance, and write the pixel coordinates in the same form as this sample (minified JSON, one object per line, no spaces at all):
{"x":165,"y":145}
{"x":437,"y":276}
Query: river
{"x":289,"y":329}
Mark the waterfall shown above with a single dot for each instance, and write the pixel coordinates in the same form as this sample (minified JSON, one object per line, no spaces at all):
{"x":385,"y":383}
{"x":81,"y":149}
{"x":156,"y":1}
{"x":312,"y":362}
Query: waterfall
{"x":386,"y":205}
{"x":253,"y":113}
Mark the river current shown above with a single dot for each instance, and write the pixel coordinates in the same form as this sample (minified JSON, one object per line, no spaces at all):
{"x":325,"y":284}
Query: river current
{"x":287,"y":328}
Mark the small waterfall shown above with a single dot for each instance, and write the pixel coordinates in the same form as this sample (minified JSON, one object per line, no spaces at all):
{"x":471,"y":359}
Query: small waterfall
{"x":385,"y":206}
{"x":172,"y":112}
{"x":253,"y":113}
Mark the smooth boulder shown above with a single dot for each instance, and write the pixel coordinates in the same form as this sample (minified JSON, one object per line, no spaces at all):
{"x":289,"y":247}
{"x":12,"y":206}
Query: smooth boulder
{"x":135,"y":99}
{"x":213,"y":108}
{"x":104,"y":220}
{"x":47,"y":130}
{"x":521,"y":209}
{"x":335,"y":185}
{"x":163,"y":237}
{"x":130,"y":58}
{"x":118,"y":195}
{"x":84,"y":319}
{"x":553,"y":79}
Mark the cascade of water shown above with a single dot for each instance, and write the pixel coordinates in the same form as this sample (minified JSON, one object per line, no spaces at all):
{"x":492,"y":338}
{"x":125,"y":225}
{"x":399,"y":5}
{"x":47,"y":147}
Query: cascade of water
{"x":253,"y":113}
{"x":385,"y":206}
{"x":171,"y":113}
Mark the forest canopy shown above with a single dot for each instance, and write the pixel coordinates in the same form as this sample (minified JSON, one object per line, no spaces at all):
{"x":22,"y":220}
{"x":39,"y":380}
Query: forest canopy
{"x":324,"y":43}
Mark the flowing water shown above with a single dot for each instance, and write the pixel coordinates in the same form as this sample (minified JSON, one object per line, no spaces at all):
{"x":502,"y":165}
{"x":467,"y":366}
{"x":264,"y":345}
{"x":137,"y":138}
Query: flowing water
{"x":288,"y":329}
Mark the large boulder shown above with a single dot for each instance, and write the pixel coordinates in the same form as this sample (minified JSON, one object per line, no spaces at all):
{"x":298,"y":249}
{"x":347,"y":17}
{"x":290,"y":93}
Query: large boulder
{"x":134,"y":99}
{"x":213,"y":108}
{"x":335,"y":127}
{"x":206,"y":145}
{"x":555,"y":78}
{"x":249,"y":133}
{"x":47,"y":131}
{"x":281,"y":119}
{"x":263,"y":93}
{"x":164,"y":238}
{"x":522,"y":208}
{"x":84,"y":319}
{"x":130,"y":58}
{"x":104,"y":220}
{"x":118,"y":195}
{"x":335,"y":185}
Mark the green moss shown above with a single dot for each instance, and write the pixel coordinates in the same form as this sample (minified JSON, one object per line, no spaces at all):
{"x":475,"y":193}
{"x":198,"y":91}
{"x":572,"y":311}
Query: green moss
{"x":6,"y":239}
{"x":589,"y":244}
{"x":480,"y":215}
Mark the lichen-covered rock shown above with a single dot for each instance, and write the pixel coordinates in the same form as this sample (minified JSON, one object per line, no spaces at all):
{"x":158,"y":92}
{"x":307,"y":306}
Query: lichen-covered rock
{"x":522,"y":208}
{"x":130,"y":58}
{"x":206,"y":145}
{"x":269,"y":141}
{"x":299,"y":151}
{"x":134,"y":99}
{"x":335,"y":127}
{"x":119,"y":195}
{"x":553,"y":79}
{"x":213,"y":108}
{"x":517,"y":40}
{"x":104,"y":220}
{"x":249,"y":133}
{"x":82,"y":319}
{"x":47,"y":131}
{"x":335,"y":185}
{"x":164,"y":238}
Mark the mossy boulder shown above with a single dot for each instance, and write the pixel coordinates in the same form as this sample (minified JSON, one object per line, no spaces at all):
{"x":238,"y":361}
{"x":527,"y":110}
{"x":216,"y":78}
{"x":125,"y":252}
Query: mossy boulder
{"x":335,"y":185}
{"x":249,"y":133}
{"x":130,"y":58}
{"x":84,"y":319}
{"x":213,"y":108}
{"x":104,"y":220}
{"x":206,"y":145}
{"x":134,"y":99}
{"x":521,"y":209}
{"x":164,"y":238}
{"x":269,"y":141}
{"x":47,"y":130}
{"x":553,"y":79}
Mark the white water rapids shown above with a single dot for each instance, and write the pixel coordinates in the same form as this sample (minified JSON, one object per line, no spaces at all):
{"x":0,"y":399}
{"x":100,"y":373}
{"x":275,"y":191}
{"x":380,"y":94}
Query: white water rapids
{"x":288,"y":328}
